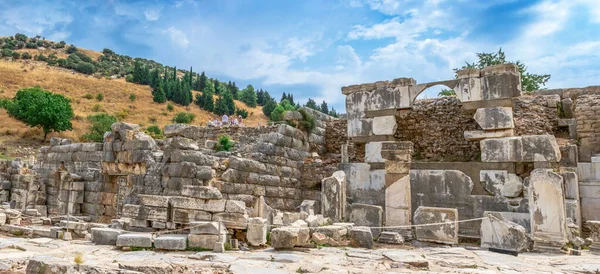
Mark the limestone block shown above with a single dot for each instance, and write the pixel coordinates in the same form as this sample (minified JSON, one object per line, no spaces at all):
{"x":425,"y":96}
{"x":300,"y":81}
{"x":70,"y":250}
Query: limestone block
{"x":257,"y":231}
{"x":205,"y":241}
{"x":360,"y":127}
{"x":547,"y":208}
{"x":373,"y":152}
{"x":16,"y":229}
{"x":494,"y":118}
{"x":317,"y":220}
{"x":508,"y":149}
{"x":499,"y":233}
{"x":469,"y":89}
{"x":180,"y":169}
{"x":361,"y":236}
{"x":288,"y":237}
{"x":186,"y":216}
{"x":573,"y":211}
{"x":333,"y":196}
{"x":384,"y":125}
{"x":135,"y":240}
{"x":233,"y":206}
{"x":398,"y":202}
{"x":540,"y":148}
{"x":335,"y":232}
{"x":446,"y":233}
{"x":153,"y":200}
{"x":522,"y":219}
{"x":367,"y":215}
{"x":198,"y":204}
{"x":501,"y":183}
{"x":571,"y":185}
{"x":74,"y":225}
{"x":171,"y":242}
{"x":497,"y":84}
{"x":531,"y":148}
{"x":196,"y":157}
{"x":390,"y":237}
{"x":201,"y":192}
{"x":207,"y":228}
{"x":177,"y":142}
{"x":105,"y":236}
{"x":232,"y":220}
{"x":476,"y":135}
{"x":308,"y":206}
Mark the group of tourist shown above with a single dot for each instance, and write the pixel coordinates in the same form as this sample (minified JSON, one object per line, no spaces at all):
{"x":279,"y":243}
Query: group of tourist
{"x":226,"y":121}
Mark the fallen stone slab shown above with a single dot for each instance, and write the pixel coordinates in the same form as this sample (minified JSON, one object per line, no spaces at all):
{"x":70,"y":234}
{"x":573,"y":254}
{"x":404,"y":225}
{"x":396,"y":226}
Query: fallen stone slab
{"x":367,"y":215}
{"x":289,"y":237}
{"x":105,"y":236}
{"x":443,"y":228}
{"x":134,"y":240}
{"x":390,"y":237}
{"x":171,"y":242}
{"x":499,"y":233}
{"x":336,"y":232}
{"x":17,"y":230}
{"x":74,"y":225}
{"x":361,"y":236}
{"x":207,"y":228}
{"x":206,"y":242}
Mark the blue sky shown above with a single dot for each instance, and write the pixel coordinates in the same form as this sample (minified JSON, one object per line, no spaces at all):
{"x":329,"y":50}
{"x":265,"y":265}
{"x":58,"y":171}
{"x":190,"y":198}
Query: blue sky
{"x":311,"y":48}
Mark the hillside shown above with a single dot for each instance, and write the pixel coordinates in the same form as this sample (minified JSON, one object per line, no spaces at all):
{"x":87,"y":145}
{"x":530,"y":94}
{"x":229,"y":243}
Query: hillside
{"x":18,"y":74}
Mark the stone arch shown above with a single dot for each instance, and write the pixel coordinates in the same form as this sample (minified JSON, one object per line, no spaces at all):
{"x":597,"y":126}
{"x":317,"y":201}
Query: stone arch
{"x":452,"y":84}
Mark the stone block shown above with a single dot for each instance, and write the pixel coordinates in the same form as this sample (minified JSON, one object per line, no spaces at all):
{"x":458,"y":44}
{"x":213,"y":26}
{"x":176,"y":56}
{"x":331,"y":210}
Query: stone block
{"x":390,"y":237}
{"x":522,"y":219}
{"x":257,"y":231}
{"x":232,"y":220}
{"x":74,"y":225}
{"x":547,"y":208}
{"x":333,"y":196}
{"x":2,"y":218}
{"x":205,"y":241}
{"x":153,"y":200}
{"x":501,"y":183}
{"x":171,"y":242}
{"x":134,"y":240}
{"x":201,"y":192}
{"x":361,"y":236}
{"x":476,"y":135}
{"x":186,"y":216}
{"x":384,"y":125}
{"x":207,"y":228}
{"x":373,"y":152}
{"x":446,"y":233}
{"x":360,"y":127}
{"x":317,"y":220}
{"x":367,"y":215}
{"x":198,"y":204}
{"x":105,"y":236}
{"x":494,"y":118}
{"x":308,"y":206}
{"x":499,"y":233}
{"x":398,"y":201}
{"x":571,"y":185}
{"x":531,"y":148}
{"x":233,"y":206}
{"x":540,"y":148}
{"x":469,"y":89}
{"x":289,"y":237}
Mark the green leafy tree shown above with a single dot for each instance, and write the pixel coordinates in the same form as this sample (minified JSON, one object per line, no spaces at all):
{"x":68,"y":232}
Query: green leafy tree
{"x":242,"y":112}
{"x":71,"y":49}
{"x":248,"y":96}
{"x":37,"y":107}
{"x":277,"y":113}
{"x":447,"y":93}
{"x":100,"y":123}
{"x":287,"y":105}
{"x":99,"y":96}
{"x":225,"y":104}
{"x":158,"y":94}
{"x":324,"y":108}
{"x":202,"y":82}
{"x":269,"y":107}
{"x":312,"y":104}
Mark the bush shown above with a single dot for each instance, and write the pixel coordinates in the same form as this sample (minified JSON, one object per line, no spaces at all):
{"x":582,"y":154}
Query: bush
{"x":26,"y":56}
{"x":224,"y":144}
{"x":277,"y":113}
{"x":242,"y":112}
{"x":100,"y":123}
{"x":132,"y":97}
{"x":16,"y":55}
{"x":99,"y":96}
{"x":308,"y":122}
{"x":123,"y":114}
{"x":88,"y":96}
{"x":97,"y":108}
{"x":71,"y":49}
{"x":184,"y":118}
{"x":37,"y":107}
{"x":155,"y":132}
{"x":170,"y":107}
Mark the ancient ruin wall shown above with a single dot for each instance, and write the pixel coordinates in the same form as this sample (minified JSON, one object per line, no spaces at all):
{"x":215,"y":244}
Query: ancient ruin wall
{"x":587,"y":112}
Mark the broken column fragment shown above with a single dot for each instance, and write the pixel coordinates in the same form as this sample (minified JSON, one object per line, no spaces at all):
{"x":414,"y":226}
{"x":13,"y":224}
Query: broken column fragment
{"x":499,"y":233}
{"x":333,"y":196}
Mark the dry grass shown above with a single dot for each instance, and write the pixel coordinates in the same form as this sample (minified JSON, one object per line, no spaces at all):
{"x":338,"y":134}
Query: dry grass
{"x":16,"y":75}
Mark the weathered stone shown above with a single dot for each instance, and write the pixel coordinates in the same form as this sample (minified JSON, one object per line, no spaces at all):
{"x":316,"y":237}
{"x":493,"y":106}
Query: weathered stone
{"x":397,"y":201}
{"x":257,"y":231}
{"x":105,"y":236}
{"x":336,"y":232}
{"x":134,"y":240}
{"x":540,"y":148}
{"x":476,"y":135}
{"x":233,"y":206}
{"x":308,"y":206}
{"x":571,"y":185}
{"x":333,"y":196}
{"x":198,"y":204}
{"x":288,"y":237}
{"x":205,"y":241}
{"x":171,"y":242}
{"x":445,"y":233}
{"x":547,"y":208}
{"x":384,"y":125}
{"x":531,"y":148}
{"x":232,"y":220}
{"x":367,"y":215}
{"x":494,"y":118}
{"x":316,"y":220}
{"x":501,"y":183}
{"x":390,"y":237}
{"x":153,"y":200}
{"x":2,"y":218}
{"x":361,"y":236}
{"x":207,"y":228}
{"x":499,"y":233}
{"x":181,"y":143}
{"x":201,"y":192}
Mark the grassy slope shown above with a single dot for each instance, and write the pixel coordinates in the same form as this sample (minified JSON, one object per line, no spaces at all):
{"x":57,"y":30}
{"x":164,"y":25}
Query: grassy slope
{"x":15,"y":75}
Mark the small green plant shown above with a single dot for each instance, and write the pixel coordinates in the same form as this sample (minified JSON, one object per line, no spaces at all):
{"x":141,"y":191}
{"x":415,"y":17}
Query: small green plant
{"x":132,"y":97}
{"x":308,"y":122}
{"x":78,"y":258}
{"x":170,"y":107}
{"x":99,"y":96}
{"x":184,"y":118}
{"x":164,"y":113}
{"x":88,"y":96}
{"x":227,"y":246}
{"x":122,"y":114}
{"x":97,"y":108}
{"x":225,"y":144}
{"x":155,"y":132}
{"x":17,"y":233}
{"x":242,"y":112}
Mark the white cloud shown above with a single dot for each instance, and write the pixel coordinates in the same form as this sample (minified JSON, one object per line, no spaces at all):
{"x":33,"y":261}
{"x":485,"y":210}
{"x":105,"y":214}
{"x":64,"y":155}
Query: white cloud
{"x":299,"y":48}
{"x":152,"y":14}
{"x":38,"y":19}
{"x":177,"y":37}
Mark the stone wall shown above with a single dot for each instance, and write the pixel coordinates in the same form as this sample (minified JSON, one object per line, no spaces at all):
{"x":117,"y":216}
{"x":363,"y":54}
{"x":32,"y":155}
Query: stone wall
{"x":587,"y":112}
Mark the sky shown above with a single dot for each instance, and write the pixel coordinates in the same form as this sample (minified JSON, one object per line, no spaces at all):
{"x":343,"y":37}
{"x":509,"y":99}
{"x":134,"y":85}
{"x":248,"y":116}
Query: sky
{"x":312,"y":48}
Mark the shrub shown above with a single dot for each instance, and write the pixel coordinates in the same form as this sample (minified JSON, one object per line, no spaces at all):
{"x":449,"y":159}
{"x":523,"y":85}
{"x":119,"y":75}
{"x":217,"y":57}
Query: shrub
{"x":37,"y":107}
{"x":88,"y":96}
{"x":123,"y":114}
{"x":277,"y":113}
{"x":16,"y":55}
{"x":71,"y":49}
{"x":184,"y":118}
{"x":97,"y":108}
{"x":308,"y":122}
{"x":242,"y":112}
{"x":170,"y":107}
{"x":100,"y":123}
{"x":224,"y":144}
{"x":26,"y":55}
{"x":132,"y":97}
{"x":155,"y":132}
{"x":99,"y":96}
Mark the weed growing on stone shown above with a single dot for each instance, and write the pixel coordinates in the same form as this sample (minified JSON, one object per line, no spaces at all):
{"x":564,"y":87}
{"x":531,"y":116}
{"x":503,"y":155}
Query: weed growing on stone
{"x":78,"y":258}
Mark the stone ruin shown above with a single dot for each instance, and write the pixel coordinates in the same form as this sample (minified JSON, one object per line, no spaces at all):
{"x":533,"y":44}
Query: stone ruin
{"x":518,"y":172}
